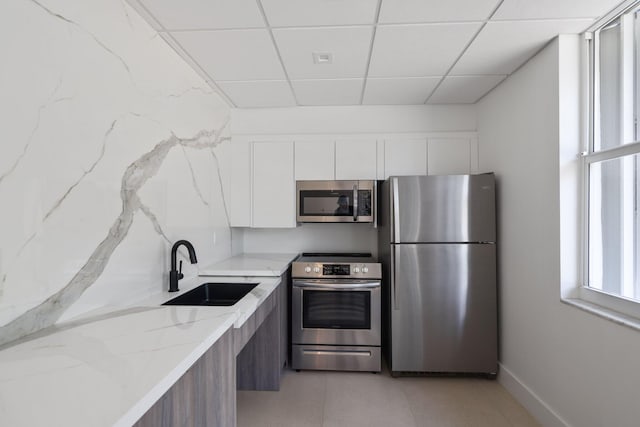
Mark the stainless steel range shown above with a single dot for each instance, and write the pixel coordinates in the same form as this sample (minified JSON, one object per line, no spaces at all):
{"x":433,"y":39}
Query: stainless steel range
{"x":335,"y":312}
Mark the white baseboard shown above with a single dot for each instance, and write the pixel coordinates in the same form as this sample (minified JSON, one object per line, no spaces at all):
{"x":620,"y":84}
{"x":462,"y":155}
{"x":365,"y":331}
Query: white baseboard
{"x":527,"y":398}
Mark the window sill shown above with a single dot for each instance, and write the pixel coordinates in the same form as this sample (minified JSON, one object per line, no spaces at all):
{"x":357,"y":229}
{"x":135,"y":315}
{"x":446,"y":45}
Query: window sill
{"x":605,"y":313}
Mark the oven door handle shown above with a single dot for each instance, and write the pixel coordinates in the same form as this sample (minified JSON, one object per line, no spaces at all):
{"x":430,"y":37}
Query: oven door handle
{"x":338,"y":286}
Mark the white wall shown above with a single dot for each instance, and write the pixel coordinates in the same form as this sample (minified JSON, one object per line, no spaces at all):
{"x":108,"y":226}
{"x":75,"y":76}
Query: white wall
{"x":108,"y":156}
{"x":567,"y":366}
{"x":313,"y":238}
{"x":354,"y":119}
{"x":373,"y":124}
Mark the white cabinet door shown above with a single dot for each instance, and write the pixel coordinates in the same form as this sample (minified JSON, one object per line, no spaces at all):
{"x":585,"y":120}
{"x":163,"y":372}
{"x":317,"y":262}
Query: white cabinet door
{"x":273,"y":190}
{"x":356,"y":159}
{"x":450,"y":156}
{"x":240,"y":184}
{"x":405,"y":157}
{"x":314,"y":160}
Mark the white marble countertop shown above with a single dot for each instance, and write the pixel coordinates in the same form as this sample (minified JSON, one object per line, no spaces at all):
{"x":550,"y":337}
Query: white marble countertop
{"x":258,"y":264}
{"x":109,"y":367}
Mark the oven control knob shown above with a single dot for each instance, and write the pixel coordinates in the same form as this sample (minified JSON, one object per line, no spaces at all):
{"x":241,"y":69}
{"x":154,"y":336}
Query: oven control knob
{"x":307,"y":269}
{"x":316,"y":269}
{"x":365,"y":269}
{"x":356,"y":269}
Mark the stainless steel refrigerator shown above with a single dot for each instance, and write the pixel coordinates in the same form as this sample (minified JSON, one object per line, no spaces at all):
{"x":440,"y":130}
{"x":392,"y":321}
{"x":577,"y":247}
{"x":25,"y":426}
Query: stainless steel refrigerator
{"x":437,"y":244}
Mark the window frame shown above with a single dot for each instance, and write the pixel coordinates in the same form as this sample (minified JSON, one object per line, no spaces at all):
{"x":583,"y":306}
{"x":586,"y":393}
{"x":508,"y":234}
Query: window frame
{"x":601,"y":299}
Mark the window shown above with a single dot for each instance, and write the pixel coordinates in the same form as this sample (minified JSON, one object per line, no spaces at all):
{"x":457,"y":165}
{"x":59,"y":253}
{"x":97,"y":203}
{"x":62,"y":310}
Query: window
{"x":612,"y":162}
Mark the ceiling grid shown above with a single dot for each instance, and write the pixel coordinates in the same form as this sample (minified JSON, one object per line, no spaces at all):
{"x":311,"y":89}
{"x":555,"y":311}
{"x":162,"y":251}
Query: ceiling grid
{"x":260,"y":53}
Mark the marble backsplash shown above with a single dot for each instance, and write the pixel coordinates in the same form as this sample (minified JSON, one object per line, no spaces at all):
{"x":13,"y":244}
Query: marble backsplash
{"x":110,"y":153}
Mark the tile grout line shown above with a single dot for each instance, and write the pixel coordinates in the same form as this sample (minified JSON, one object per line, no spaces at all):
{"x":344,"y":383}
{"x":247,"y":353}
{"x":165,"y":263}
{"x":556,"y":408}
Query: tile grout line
{"x":406,"y":398}
{"x":446,"y":74}
{"x":275,"y":46}
{"x":373,"y":38}
{"x":324,"y":401}
{"x":379,"y":24}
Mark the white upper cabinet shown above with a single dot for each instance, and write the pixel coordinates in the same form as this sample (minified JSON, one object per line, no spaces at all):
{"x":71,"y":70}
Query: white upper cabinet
{"x":341,"y":159}
{"x":405,"y":157}
{"x":450,"y":156}
{"x":314,"y":160}
{"x":263,"y":173}
{"x":273,"y":185}
{"x":356,"y":159}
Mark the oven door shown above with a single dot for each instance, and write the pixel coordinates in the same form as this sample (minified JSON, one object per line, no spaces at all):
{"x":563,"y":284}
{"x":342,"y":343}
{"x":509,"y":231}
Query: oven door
{"x":336,"y":312}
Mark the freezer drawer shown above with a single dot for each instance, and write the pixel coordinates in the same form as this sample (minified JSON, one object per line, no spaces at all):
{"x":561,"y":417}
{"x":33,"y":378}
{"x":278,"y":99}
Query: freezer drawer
{"x":444,"y":308}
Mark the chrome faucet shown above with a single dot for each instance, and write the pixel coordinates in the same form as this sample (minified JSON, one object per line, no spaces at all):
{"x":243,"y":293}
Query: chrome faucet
{"x":175,"y":275}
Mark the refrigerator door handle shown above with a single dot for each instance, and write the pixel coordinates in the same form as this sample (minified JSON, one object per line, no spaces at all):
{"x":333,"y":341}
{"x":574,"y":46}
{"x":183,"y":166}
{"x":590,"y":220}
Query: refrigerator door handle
{"x":395,"y":213}
{"x":394,"y":294}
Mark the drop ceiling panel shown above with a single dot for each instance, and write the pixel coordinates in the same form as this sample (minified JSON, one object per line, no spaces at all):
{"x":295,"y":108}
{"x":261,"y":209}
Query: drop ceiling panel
{"x":349,"y":47}
{"x":464,"y":89}
{"x":399,"y":11}
{"x":503,"y":46}
{"x":261,"y":93}
{"x":328,"y":92}
{"x":554,"y":9}
{"x":406,"y":91}
{"x":260,"y":52}
{"x":418,"y":50}
{"x":297,"y":13}
{"x":233,"y":54}
{"x":205,"y":14}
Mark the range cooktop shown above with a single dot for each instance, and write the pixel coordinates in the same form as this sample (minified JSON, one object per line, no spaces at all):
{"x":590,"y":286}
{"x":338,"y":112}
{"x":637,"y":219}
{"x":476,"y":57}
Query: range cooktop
{"x":336,"y":265}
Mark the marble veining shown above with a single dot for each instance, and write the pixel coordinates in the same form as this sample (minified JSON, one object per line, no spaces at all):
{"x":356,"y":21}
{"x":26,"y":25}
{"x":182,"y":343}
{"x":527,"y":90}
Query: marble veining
{"x":128,"y":360}
{"x":60,"y":200}
{"x":110,"y":155}
{"x":136,"y":175}
{"x":126,"y":13}
{"x":111,"y":314}
{"x":85,"y":173}
{"x":193,"y":178}
{"x":85,"y":31}
{"x":48,"y":103}
{"x":223,"y":198}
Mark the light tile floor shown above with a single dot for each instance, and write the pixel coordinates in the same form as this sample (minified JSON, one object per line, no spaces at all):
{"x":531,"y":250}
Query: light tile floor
{"x":350,"y":399}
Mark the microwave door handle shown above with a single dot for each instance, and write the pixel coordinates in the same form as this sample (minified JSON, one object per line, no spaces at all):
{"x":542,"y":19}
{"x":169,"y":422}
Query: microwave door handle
{"x":355,"y":202}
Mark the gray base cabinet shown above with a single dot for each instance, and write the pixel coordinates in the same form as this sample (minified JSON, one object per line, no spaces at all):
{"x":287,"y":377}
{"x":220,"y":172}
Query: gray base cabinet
{"x":262,"y":343}
{"x":204,"y":396}
{"x":258,"y":364}
{"x":251,"y":357}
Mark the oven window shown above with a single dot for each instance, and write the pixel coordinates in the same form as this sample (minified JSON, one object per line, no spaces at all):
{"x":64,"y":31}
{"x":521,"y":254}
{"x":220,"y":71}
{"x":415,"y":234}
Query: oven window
{"x":336,"y":309}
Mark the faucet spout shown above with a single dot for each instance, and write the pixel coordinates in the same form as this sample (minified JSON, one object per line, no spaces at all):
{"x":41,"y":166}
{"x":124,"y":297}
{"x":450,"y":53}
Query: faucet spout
{"x":174,"y":274}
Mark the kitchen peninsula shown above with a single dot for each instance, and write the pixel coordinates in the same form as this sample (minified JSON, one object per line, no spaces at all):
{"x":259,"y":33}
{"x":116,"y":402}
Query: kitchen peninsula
{"x":112,"y":366}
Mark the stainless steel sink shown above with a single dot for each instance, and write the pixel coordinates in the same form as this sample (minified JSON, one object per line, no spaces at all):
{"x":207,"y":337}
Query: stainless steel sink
{"x":218,"y":294}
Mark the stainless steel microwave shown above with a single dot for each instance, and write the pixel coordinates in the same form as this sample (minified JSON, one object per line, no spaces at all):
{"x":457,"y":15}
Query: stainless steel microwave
{"x":335,"y":201}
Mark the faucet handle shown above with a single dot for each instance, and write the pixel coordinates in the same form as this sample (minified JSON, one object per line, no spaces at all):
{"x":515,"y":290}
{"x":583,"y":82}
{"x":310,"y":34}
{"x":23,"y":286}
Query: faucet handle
{"x":180,"y":275}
